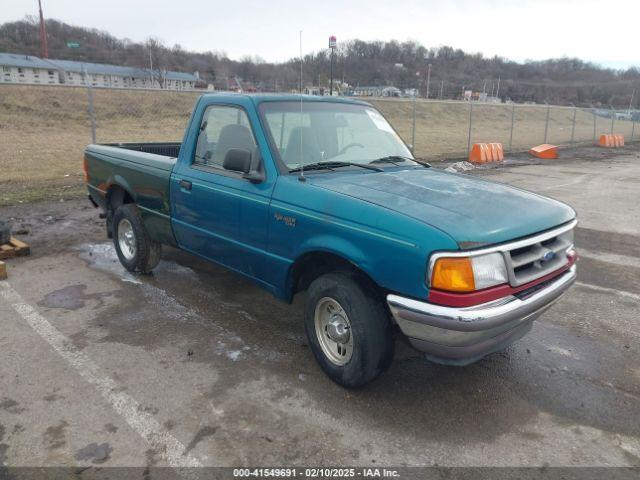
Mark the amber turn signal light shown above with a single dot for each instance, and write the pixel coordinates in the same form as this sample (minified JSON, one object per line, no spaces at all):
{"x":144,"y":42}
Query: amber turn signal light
{"x":453,"y":274}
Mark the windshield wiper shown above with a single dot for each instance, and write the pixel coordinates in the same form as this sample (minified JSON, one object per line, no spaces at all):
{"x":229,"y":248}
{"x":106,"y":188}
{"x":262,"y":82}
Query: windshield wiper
{"x":398,"y":158}
{"x":331,"y":165}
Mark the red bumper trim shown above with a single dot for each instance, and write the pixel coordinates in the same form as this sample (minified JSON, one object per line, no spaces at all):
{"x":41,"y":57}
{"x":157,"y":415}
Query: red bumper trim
{"x":470,"y":299}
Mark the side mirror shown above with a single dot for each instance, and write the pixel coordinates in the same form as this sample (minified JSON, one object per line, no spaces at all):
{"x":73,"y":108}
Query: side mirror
{"x":237,"y":160}
{"x":243,"y":161}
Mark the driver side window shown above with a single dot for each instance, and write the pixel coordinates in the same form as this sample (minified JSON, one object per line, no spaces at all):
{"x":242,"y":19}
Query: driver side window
{"x":222,"y":128}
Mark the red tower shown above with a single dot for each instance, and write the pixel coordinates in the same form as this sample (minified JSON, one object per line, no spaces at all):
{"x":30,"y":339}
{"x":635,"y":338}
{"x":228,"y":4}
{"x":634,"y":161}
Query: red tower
{"x":43,"y":34}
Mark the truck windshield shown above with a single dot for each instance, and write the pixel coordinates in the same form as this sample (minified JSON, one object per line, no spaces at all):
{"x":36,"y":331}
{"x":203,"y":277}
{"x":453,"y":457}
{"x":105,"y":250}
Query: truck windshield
{"x":330,"y":132}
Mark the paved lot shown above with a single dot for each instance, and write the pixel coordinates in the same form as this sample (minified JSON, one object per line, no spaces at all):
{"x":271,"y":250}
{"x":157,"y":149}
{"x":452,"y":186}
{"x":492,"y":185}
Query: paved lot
{"x":196,"y":366}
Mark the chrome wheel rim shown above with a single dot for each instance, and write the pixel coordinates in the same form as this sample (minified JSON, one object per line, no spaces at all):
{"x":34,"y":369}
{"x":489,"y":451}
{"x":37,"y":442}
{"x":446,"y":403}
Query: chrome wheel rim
{"x":333,"y":330}
{"x":126,"y":239}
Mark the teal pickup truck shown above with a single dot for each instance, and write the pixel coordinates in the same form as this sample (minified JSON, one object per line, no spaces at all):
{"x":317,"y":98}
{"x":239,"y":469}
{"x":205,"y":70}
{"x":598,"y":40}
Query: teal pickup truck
{"x":320,"y":195}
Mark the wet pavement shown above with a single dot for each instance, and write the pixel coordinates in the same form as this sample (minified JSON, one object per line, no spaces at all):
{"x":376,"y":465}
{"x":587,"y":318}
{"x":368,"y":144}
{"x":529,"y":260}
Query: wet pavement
{"x":195,"y":365}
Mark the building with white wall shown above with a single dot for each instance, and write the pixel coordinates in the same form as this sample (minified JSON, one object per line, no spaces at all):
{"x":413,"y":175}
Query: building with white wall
{"x":28,"y":69}
{"x":378,"y":91}
{"x":17,"y":68}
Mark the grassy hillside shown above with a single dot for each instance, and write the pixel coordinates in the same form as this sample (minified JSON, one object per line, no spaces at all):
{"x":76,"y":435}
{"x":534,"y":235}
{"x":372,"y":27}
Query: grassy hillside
{"x":45,"y":129}
{"x":559,"y":81}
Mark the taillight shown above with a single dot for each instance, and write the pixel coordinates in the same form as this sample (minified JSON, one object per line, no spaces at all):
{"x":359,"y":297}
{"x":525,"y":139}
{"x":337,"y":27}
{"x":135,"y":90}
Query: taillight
{"x":85,"y":167}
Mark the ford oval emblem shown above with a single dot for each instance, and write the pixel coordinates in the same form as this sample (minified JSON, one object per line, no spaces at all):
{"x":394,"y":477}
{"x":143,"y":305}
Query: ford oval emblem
{"x":548,"y":256}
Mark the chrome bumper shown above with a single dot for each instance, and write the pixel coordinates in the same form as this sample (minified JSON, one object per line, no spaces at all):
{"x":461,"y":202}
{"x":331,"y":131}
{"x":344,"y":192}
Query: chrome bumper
{"x":463,"y":335}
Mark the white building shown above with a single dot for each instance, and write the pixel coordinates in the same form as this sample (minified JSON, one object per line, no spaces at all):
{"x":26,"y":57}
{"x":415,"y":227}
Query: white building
{"x":26,"y":69}
{"x":114,"y":76}
{"x":379,"y":91}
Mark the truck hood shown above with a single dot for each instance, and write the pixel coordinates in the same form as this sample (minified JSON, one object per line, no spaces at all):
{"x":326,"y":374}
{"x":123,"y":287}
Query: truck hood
{"x":474,"y":212}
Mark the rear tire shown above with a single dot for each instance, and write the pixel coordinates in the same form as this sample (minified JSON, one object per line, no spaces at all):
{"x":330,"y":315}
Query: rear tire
{"x":349,"y":330}
{"x":137,"y":251}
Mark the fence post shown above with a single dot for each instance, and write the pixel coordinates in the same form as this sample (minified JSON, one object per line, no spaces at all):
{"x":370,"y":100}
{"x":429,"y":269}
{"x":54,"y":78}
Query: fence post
{"x":470,"y":123}
{"x":513,"y":115}
{"x":573,"y":124}
{"x":91,"y":112}
{"x":413,"y":126}
{"x":612,"y":118}
{"x":546,"y":123}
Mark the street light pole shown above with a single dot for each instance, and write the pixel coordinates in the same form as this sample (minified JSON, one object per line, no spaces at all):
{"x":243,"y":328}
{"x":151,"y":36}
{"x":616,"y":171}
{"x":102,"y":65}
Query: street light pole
{"x":428,"y":78}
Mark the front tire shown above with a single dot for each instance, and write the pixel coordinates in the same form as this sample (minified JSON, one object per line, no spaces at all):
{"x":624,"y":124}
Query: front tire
{"x":349,"y":330}
{"x":137,"y":251}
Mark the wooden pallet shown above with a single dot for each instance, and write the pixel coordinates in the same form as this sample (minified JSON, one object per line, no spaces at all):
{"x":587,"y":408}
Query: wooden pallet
{"x":15,"y":248}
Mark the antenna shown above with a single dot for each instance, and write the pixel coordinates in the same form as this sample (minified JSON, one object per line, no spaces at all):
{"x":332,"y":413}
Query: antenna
{"x":301,"y":177}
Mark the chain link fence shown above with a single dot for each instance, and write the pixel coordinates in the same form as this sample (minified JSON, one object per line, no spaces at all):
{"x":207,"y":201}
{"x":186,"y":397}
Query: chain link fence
{"x":44,"y":129}
{"x":440,"y":129}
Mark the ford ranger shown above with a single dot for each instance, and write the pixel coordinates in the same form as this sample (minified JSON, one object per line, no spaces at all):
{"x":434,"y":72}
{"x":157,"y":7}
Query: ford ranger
{"x":321,"y":195}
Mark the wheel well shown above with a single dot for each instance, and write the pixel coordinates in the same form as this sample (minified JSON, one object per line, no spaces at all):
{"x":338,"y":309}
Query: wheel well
{"x":314,"y":264}
{"x":116,"y":196}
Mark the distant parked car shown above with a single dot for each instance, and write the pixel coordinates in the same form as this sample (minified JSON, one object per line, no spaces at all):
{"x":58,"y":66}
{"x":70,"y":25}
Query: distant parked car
{"x":623,"y":116}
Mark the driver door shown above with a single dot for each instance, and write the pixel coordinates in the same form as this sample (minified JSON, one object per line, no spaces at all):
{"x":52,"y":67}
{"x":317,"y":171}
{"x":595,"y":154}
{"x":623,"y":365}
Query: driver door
{"x":217,"y":213}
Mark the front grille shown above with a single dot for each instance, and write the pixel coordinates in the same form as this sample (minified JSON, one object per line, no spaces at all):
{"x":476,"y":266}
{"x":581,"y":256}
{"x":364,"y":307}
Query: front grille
{"x":524,"y":294}
{"x":542,"y":256}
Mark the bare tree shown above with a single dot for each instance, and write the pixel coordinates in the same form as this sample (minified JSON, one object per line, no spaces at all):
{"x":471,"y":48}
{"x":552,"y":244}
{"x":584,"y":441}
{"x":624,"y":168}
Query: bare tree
{"x":158,"y":56}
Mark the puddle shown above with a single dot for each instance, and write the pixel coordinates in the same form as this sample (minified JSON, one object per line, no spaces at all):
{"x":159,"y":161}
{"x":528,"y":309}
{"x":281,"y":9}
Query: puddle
{"x":226,"y":343}
{"x":96,"y":453}
{"x":72,"y":297}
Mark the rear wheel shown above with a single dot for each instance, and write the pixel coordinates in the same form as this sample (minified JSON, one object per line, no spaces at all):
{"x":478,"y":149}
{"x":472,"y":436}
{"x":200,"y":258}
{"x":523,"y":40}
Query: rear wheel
{"x":349,"y":330}
{"x":137,"y":251}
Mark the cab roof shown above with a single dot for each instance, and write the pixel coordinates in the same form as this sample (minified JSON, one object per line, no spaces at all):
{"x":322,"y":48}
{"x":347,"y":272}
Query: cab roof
{"x":258,"y":98}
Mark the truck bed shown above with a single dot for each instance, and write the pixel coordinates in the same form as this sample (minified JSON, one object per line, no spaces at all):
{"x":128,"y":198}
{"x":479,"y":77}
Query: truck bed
{"x":143,"y":171}
{"x":166,"y":149}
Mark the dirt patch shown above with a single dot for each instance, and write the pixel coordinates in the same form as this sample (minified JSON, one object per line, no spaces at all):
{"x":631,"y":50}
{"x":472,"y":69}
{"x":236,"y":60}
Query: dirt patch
{"x":11,"y":406}
{"x":53,"y":227}
{"x":203,"y":433}
{"x":3,"y":454}
{"x":110,"y":427}
{"x":55,"y":436}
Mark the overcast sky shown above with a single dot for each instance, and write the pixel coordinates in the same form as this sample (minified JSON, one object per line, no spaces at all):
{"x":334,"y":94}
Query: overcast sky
{"x":605,"y":32}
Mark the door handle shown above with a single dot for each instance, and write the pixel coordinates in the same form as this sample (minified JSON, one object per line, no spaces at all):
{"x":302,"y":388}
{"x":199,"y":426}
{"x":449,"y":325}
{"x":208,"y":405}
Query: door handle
{"x":186,"y":184}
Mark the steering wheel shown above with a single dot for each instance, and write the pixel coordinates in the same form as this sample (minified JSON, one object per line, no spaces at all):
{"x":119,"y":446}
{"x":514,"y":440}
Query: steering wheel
{"x":347,"y":147}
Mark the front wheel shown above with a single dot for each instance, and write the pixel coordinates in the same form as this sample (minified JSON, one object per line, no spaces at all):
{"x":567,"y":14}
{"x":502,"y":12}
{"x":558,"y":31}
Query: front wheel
{"x":137,"y":252}
{"x":348,"y":328}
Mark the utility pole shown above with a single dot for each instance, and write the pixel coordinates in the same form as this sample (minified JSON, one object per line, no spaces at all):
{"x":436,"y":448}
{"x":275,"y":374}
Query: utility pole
{"x":43,"y":33}
{"x":631,"y":101}
{"x":151,"y":66}
{"x":332,"y":46}
{"x":428,"y":78}
{"x":441,"y":87}
{"x":498,"y":88}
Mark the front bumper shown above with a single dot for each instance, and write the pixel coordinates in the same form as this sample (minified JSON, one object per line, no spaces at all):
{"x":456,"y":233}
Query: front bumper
{"x":461,"y":336}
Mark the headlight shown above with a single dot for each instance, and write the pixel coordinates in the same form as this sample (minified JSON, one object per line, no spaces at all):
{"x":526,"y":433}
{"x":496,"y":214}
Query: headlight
{"x":466,"y":274}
